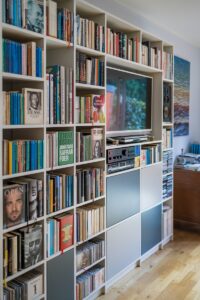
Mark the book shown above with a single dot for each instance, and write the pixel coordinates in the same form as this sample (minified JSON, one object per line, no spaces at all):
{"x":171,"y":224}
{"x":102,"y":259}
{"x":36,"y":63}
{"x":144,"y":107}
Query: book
{"x":35,"y":15}
{"x":52,"y":18}
{"x":14,"y":205}
{"x":66,"y":225}
{"x":97,"y":142}
{"x":33,"y":106}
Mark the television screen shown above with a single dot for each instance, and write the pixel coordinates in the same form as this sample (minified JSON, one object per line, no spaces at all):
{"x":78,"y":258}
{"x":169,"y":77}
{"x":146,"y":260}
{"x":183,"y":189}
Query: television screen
{"x":128,"y":101}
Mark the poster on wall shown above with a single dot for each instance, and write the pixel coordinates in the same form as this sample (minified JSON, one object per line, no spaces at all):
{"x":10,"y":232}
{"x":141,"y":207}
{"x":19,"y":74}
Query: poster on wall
{"x":181,"y":96}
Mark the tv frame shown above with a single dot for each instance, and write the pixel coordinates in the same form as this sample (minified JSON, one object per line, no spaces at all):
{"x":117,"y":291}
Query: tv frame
{"x":131,"y":132}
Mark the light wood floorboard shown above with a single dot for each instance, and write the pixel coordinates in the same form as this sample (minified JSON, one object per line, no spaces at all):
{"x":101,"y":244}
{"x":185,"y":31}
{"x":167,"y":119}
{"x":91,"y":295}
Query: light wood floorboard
{"x":170,"y":274}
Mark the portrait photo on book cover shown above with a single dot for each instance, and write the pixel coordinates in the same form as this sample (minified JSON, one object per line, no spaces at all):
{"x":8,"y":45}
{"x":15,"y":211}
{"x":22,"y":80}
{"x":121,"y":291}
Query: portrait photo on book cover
{"x":33,"y":106}
{"x":33,"y":246}
{"x":14,"y":205}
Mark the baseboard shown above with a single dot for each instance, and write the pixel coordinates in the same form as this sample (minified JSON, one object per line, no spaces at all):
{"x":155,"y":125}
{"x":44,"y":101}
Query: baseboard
{"x":185,"y":225}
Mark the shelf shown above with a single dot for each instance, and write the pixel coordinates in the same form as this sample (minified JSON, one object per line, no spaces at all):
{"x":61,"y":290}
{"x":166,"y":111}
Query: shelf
{"x":23,"y":174}
{"x":59,"y":125}
{"x":53,"y":43}
{"x":109,"y":147}
{"x":168,"y":80}
{"x":22,"y":126}
{"x":150,"y":165}
{"x":11,"y":76}
{"x":167,"y":199}
{"x":151,"y":207}
{"x":90,"y":201}
{"x":91,"y":237}
{"x":170,"y":173}
{"x":94,"y":292}
{"x":168,"y":124}
{"x":18,"y":32}
{"x":124,"y":63}
{"x":122,"y":172}
{"x":89,"y":267}
{"x":90,"y":161}
{"x":9,"y":278}
{"x":89,"y":51}
{"x":61,"y":211}
{"x":90,"y":124}
{"x":59,"y":253}
{"x":167,"y":149}
{"x":29,"y":222}
{"x":89,"y":86}
{"x":60,"y":167}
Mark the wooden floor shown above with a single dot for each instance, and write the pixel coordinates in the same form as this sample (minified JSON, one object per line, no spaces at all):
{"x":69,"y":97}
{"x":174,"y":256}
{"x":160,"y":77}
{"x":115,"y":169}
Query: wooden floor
{"x":171,"y":274}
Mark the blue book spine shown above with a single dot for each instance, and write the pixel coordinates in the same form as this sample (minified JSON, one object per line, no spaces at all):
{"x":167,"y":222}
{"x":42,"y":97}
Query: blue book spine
{"x":66,"y":192}
{"x":71,"y":190}
{"x":32,"y":155}
{"x":51,"y":237}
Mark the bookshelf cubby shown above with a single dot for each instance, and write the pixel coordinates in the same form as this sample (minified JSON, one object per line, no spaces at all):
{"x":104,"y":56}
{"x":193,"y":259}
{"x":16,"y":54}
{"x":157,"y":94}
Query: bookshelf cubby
{"x":131,"y":230}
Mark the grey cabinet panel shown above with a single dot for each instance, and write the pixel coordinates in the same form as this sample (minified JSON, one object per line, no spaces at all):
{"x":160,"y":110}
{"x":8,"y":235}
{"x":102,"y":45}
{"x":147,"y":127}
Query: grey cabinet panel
{"x":123,"y":196}
{"x":151,"y":228}
{"x":123,"y":245}
{"x":60,"y":277}
{"x":151,"y":186}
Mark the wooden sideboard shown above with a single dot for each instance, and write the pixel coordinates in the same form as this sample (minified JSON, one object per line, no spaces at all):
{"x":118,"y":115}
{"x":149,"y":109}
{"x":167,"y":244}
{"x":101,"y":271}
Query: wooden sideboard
{"x":187,"y":199}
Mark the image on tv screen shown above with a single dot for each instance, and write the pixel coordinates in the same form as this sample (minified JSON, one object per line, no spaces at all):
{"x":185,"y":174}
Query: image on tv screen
{"x":128,"y":101}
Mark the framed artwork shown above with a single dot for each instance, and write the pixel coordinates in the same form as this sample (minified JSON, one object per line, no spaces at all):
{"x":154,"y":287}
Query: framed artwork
{"x":33,"y":105}
{"x":181,"y":96}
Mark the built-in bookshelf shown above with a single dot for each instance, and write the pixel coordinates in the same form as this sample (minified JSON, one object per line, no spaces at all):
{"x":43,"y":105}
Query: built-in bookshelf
{"x":54,"y":152}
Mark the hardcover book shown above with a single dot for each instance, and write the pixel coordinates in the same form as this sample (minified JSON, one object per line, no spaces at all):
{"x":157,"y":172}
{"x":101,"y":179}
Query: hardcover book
{"x":65,"y":147}
{"x":33,"y":100}
{"x":66,"y":231}
{"x":98,"y":108}
{"x":35,"y":15}
{"x":14,"y":205}
{"x":97,"y":142}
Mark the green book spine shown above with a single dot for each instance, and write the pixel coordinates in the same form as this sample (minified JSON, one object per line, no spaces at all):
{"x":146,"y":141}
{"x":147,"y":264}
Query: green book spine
{"x":65,"y":147}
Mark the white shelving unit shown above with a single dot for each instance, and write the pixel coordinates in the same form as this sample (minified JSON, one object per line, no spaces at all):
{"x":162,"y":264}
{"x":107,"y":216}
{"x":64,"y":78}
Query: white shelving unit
{"x":59,"y":52}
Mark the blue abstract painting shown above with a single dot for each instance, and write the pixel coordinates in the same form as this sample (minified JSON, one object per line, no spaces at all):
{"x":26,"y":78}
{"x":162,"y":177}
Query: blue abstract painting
{"x":181,"y":96}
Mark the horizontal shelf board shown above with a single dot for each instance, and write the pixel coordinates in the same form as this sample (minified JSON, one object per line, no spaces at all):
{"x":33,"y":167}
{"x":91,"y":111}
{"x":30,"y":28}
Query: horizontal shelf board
{"x":90,"y":201}
{"x":12,"y":76}
{"x":87,"y":8}
{"x":122,"y":172}
{"x":167,"y":199}
{"x":170,"y":173}
{"x":23,"y":174}
{"x":90,"y":161}
{"x":130,"y":64}
{"x":94,"y":292}
{"x":52,"y":42}
{"x":123,"y":221}
{"x":17,"y":32}
{"x":43,"y":296}
{"x":168,"y":80}
{"x":89,"y":238}
{"x":89,"y":267}
{"x":89,"y":86}
{"x":166,"y":124}
{"x":59,"y":125}
{"x":89,"y":124}
{"x":146,"y":209}
{"x":59,"y":167}
{"x":22,"y":126}
{"x":150,"y":165}
{"x":168,"y":149}
{"x":109,"y":147}
{"x":59,"y":253}
{"x":61,"y":211}
{"x":9,"y":278}
{"x":30,"y":222}
{"x":89,"y":51}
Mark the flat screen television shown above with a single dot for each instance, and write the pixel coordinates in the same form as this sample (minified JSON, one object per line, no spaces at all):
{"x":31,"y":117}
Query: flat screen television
{"x":128,"y":101}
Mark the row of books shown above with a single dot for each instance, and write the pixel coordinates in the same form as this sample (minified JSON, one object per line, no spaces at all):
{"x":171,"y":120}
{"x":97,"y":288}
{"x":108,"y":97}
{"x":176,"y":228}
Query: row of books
{"x":150,"y":154}
{"x":151,"y":56}
{"x":22,"y":156}
{"x":22,"y":201}
{"x":90,"y":109}
{"x":90,"y":184}
{"x":22,"y":248}
{"x":167,"y":162}
{"x":89,"y":144}
{"x":22,"y":58}
{"x":89,"y":253}
{"x":167,"y":65}
{"x":24,"y":107}
{"x":24,"y":14}
{"x":195,"y":148}
{"x":167,"y":221}
{"x":59,"y":83}
{"x":89,"y":70}
{"x":90,"y":34}
{"x":167,"y":138}
{"x":59,"y":235}
{"x":89,"y":282}
{"x":89,"y":221}
{"x":59,"y":22}
{"x":167,"y":186}
{"x":59,"y":191}
{"x":59,"y":148}
{"x":123,"y":45}
{"x":27,"y":286}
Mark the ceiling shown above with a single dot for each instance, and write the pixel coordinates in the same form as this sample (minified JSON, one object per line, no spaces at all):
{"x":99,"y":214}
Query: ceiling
{"x":180,"y":17}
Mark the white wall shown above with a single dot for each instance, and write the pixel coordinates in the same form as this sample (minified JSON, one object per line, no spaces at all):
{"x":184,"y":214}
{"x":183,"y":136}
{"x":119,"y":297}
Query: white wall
{"x":182,"y":49}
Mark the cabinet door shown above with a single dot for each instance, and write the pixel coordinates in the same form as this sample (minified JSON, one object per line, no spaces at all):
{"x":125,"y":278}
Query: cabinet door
{"x":123,"y":245}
